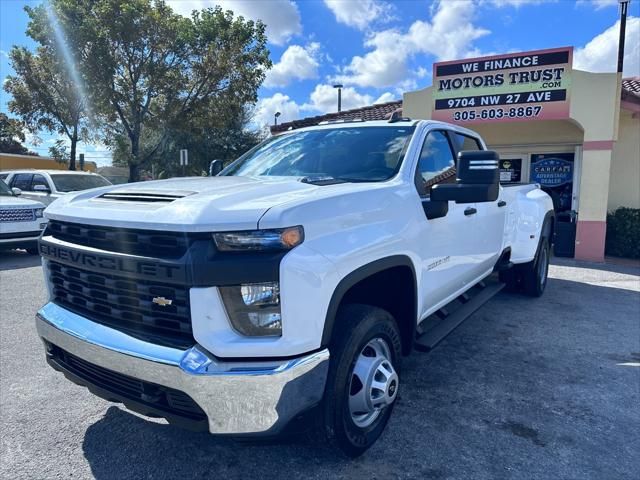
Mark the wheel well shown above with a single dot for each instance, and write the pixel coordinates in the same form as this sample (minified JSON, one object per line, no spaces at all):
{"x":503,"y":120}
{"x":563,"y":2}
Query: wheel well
{"x":551,"y":222}
{"x":393,"y":290}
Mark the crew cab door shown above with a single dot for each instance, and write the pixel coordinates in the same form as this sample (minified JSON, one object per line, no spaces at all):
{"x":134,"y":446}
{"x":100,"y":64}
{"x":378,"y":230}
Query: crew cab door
{"x":447,"y":241}
{"x":489,"y":233}
{"x":41,"y":189}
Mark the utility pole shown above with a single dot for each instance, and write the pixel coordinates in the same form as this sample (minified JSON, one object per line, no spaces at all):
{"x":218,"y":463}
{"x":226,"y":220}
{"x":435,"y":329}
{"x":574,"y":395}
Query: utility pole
{"x":339,"y":87}
{"x":624,"y":7}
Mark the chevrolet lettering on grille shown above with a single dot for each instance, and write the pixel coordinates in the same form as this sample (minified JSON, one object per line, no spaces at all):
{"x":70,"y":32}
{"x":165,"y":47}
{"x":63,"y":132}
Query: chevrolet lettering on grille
{"x":108,"y":263}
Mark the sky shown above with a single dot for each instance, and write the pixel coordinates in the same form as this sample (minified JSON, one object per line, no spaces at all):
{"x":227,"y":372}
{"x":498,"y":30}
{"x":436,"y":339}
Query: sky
{"x":378,"y":49}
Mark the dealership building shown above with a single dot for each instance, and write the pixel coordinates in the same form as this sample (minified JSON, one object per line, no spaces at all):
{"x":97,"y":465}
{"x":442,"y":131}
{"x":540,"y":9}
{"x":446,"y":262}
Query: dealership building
{"x":576,"y":133}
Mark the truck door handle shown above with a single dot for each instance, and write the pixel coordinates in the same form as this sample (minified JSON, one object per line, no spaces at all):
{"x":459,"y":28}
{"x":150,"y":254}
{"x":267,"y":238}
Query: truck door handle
{"x":470,"y":211}
{"x":502,"y":203}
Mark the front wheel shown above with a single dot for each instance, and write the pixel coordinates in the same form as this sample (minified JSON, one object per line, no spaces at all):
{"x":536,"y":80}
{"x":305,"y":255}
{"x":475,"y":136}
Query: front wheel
{"x":363,"y":380}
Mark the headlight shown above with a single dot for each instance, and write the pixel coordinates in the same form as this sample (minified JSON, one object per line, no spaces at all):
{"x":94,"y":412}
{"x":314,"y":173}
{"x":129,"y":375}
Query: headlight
{"x":38,"y":212}
{"x":254,"y":309}
{"x":262,"y":240}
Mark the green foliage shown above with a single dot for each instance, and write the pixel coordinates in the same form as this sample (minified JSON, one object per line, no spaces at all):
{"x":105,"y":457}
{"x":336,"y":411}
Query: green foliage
{"x":149,"y":72}
{"x":623,"y":233}
{"x":44,"y":94}
{"x":60,"y":152}
{"x":12,"y":136}
{"x":206,"y":138}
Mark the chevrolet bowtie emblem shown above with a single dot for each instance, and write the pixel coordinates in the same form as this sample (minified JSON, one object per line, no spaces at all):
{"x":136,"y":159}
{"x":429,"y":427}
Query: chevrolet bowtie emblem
{"x":163,"y":302}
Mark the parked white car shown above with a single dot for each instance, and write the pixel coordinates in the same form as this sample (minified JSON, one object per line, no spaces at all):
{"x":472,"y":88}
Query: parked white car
{"x":48,"y":185}
{"x":291,"y":284}
{"x":21,"y":221}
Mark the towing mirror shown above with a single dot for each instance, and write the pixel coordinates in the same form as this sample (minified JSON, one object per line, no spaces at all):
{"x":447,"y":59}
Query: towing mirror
{"x":478,"y":179}
{"x":215,"y":167}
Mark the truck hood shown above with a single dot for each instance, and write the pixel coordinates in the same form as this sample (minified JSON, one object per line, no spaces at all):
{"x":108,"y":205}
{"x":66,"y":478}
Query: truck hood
{"x":183,"y":204}
{"x":17,"y":202}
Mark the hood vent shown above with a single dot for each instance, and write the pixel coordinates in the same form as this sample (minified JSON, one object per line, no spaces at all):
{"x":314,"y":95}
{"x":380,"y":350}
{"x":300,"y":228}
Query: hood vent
{"x":150,"y":196}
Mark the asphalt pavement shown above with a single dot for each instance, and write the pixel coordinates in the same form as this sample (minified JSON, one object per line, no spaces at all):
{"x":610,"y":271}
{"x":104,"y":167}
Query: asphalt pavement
{"x":543,"y":388}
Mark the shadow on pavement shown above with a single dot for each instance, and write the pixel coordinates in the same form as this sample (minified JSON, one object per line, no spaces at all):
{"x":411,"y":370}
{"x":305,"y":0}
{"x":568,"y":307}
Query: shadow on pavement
{"x":122,"y":445}
{"x":15,"y":259}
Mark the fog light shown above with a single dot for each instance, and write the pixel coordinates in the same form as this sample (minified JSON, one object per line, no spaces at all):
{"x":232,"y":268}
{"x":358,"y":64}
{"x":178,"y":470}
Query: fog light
{"x":254,"y":309}
{"x":259,"y":294}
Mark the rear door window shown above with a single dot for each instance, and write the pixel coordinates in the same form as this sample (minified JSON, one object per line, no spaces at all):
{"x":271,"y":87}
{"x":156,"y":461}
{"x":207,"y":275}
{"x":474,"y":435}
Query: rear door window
{"x":39,"y":180}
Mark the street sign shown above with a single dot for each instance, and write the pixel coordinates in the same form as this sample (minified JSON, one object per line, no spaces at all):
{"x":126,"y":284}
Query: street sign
{"x":184,"y":157}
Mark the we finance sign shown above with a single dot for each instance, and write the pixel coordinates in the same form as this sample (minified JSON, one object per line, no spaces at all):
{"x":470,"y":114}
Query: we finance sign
{"x":520,"y":86}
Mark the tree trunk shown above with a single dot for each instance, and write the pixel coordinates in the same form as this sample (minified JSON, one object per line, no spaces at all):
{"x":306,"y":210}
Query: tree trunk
{"x":74,"y":142}
{"x":134,"y":170}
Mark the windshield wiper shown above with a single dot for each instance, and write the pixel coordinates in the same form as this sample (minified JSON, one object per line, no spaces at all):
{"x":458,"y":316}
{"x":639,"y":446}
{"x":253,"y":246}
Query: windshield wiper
{"x":323,"y":180}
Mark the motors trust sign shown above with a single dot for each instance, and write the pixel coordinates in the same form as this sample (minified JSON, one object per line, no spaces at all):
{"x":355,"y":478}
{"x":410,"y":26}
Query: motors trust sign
{"x":519,"y":86}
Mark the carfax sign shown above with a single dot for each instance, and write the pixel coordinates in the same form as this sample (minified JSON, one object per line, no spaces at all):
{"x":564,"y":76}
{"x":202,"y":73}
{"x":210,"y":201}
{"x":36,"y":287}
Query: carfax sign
{"x":518,"y":86}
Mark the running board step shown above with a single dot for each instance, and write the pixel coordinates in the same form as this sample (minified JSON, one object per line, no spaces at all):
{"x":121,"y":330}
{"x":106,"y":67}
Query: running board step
{"x":439,"y":325}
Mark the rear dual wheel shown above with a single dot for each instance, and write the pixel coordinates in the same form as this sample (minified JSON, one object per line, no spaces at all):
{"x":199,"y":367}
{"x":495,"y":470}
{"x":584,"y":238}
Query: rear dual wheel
{"x":363,"y":380}
{"x":531,"y":277}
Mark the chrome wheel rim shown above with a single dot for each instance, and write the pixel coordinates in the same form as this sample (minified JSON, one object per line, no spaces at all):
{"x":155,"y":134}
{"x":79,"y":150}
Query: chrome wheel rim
{"x":374,"y":383}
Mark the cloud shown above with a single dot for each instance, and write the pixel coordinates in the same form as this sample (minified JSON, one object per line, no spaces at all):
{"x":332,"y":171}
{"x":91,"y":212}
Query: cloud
{"x":385,"y":98}
{"x":279,"y":102}
{"x":449,"y":35}
{"x":601,"y":53}
{"x":360,"y":14}
{"x":296,"y":63}
{"x":324,"y":99}
{"x":598,"y":4}
{"x":281,"y":17}
{"x":519,"y":3}
{"x":4,"y":54}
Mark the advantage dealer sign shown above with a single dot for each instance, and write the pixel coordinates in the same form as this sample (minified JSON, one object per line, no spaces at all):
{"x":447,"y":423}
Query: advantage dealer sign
{"x":504,"y":88}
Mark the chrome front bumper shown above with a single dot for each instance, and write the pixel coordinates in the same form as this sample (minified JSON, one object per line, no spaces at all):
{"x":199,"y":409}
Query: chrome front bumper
{"x":238,"y":397}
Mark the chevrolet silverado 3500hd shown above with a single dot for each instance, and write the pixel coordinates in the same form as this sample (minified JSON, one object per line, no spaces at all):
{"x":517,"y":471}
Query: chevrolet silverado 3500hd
{"x":292,"y":282}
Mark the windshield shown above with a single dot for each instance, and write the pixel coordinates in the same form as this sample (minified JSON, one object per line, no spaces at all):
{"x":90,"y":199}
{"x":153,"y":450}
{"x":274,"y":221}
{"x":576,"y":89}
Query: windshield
{"x":4,"y":190}
{"x":72,"y":183}
{"x":365,"y":154}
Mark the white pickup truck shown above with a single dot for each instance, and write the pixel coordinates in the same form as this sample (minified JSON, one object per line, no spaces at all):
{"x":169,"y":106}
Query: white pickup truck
{"x":288,"y":287}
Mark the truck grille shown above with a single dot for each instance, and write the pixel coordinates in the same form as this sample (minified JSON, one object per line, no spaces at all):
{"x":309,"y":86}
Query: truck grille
{"x":17,"y":215}
{"x":125,"y":304}
{"x":165,"y":400}
{"x":157,"y":244}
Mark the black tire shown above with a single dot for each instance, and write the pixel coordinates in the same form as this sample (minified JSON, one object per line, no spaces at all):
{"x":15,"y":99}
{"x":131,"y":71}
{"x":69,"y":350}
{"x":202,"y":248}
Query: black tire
{"x":356,"y":327}
{"x":33,"y":251}
{"x":534,"y":274}
{"x":511,"y":278}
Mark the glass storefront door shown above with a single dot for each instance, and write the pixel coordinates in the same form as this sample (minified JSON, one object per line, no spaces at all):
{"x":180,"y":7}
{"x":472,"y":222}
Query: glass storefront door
{"x":554,"y":172}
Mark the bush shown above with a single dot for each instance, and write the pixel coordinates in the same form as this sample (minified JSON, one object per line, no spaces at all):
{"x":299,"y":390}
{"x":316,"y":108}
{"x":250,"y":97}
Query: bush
{"x":623,"y":233}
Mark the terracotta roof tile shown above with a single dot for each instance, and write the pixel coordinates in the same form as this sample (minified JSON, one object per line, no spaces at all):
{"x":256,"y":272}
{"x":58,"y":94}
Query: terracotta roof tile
{"x":380,"y":111}
{"x":631,"y":89}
